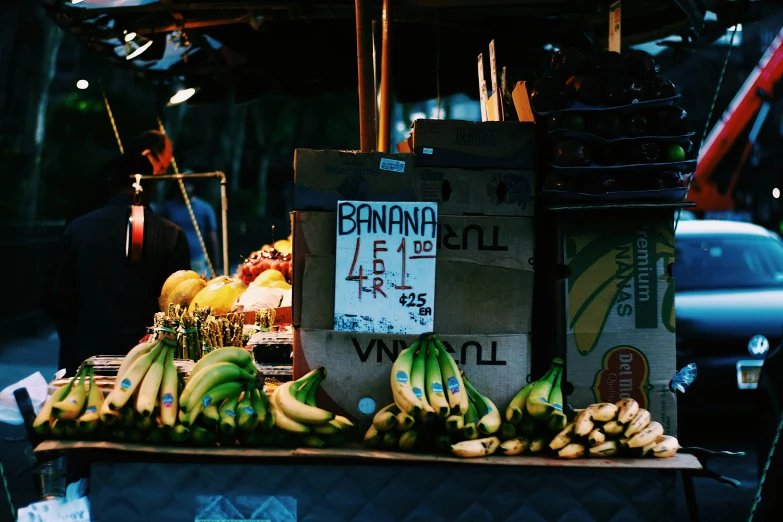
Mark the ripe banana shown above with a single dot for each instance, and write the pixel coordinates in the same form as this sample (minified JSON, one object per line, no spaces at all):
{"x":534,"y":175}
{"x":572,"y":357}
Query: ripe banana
{"x":613,"y":428}
{"x":72,"y":405}
{"x":108,"y":416}
{"x":433,"y":380}
{"x":210,"y":416}
{"x":563,"y":439}
{"x":606,"y":449}
{"x":489,"y":415}
{"x":133,"y":355}
{"x":646,"y":436}
{"x":454,"y":424}
{"x":646,"y":451}
{"x":476,"y":448}
{"x":43,"y":420}
{"x":407,"y":440}
{"x":404,"y":421}
{"x":228,"y":354}
{"x":299,"y":411}
{"x":386,"y":418}
{"x":557,"y":421}
{"x":282,"y":421}
{"x":666,"y":446}
{"x":389,"y":440}
{"x":150,"y":385}
{"x":470,"y":427}
{"x":58,"y":428}
{"x":342,"y":421}
{"x":372,"y":438}
{"x":419,"y":386}
{"x":400,"y":382}
{"x":515,"y":446}
{"x":330,"y":428}
{"x":571,"y":451}
{"x":169,"y":391}
{"x":217,"y":394}
{"x":219,"y":373}
{"x":596,"y":438}
{"x":583,"y":423}
{"x":537,"y":445}
{"x":604,"y":411}
{"x":626,"y":410}
{"x":639,"y":422}
{"x":452,"y":379}
{"x":517,"y":407}
{"x":247,"y":418}
{"x":537,"y":403}
{"x":90,"y":420}
{"x":126,"y":387}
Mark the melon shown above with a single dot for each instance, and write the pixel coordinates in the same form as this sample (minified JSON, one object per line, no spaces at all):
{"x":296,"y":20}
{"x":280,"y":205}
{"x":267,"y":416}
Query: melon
{"x":267,"y":276}
{"x":282,"y":285}
{"x":172,"y":282}
{"x":220,"y":296}
{"x":185,"y":292}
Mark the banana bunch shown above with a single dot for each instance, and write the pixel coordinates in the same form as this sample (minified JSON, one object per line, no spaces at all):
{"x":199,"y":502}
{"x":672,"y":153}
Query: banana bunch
{"x":435,"y":406}
{"x":299,"y":420}
{"x":72,"y":410}
{"x":607,"y":430}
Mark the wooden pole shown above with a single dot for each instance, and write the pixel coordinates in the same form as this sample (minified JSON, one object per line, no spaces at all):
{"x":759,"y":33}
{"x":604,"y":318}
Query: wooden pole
{"x":366,"y":88}
{"x":384,"y":127}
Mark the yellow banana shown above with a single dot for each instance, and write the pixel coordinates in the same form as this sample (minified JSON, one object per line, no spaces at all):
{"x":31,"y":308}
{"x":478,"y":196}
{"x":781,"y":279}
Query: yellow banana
{"x":596,"y":438}
{"x":90,"y":420}
{"x":667,"y":446}
{"x":404,"y":421}
{"x":216,"y":395}
{"x":330,"y":428}
{"x":133,"y":355}
{"x":150,"y":386}
{"x":43,"y":421}
{"x":604,"y":411}
{"x":537,"y":445}
{"x":626,"y":410}
{"x":646,"y":436}
{"x":454,"y":424}
{"x":373,"y":437}
{"x":489,"y":415}
{"x":407,"y":440}
{"x":452,"y":379}
{"x":436,"y":396}
{"x":476,"y":448}
{"x":613,"y":428}
{"x":386,"y":418}
{"x":169,"y":392}
{"x":210,"y":416}
{"x":605,"y":449}
{"x":583,"y":423}
{"x":537,"y":403}
{"x":282,"y":421}
{"x":400,"y":382}
{"x":72,"y":405}
{"x":639,"y":422}
{"x":299,"y":411}
{"x":571,"y":451}
{"x":515,"y":446}
{"x":126,"y":387}
{"x":563,"y":439}
{"x":247,"y":418}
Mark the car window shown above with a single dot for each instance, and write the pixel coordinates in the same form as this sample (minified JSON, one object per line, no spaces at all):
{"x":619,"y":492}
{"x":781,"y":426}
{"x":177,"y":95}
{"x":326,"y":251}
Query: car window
{"x":728,"y":262}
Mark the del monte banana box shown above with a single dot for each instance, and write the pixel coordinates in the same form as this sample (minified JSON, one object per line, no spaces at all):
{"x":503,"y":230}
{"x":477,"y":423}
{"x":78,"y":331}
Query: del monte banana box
{"x":323,"y":177}
{"x":483,"y":282}
{"x":359,"y":366}
{"x":620,"y":311}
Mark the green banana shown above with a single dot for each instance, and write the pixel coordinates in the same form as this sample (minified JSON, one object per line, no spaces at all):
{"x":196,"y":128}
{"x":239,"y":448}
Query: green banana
{"x":470,"y":427}
{"x":269,"y":420}
{"x":400,"y":382}
{"x":126,"y":387}
{"x":229,"y":354}
{"x":108,"y":416}
{"x":228,"y":414}
{"x":217,"y":394}
{"x":310,"y":440}
{"x":127,"y":417}
{"x":557,"y":422}
{"x":43,"y":421}
{"x":210,"y":416}
{"x":157,"y":436}
{"x":145,"y":424}
{"x":434,"y":383}
{"x":71,"y":430}
{"x":507,"y":431}
{"x":418,"y":384}
{"x":90,"y":420}
{"x":247,"y":416}
{"x":179,"y":433}
{"x":386,"y":418}
{"x":489,"y":421}
{"x":133,"y":355}
{"x":219,"y":373}
{"x":202,"y":436}
{"x":147,"y":396}
{"x":404,"y":421}
{"x":389,"y":440}
{"x":328,"y":429}
{"x":373,"y":437}
{"x":452,"y":378}
{"x":538,"y":405}
{"x":299,"y":411}
{"x":556,"y":395}
{"x":169,"y":391}
{"x":517,"y":407}
{"x":72,"y":405}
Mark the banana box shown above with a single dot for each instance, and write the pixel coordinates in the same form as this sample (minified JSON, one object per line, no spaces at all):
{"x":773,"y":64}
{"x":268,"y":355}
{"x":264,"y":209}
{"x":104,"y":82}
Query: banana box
{"x":359,"y":366}
{"x":620,"y":339}
{"x":484,"y":263}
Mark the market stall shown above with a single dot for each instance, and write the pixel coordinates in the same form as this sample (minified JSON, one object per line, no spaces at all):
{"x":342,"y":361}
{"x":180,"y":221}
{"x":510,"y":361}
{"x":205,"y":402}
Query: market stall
{"x":376,"y":418}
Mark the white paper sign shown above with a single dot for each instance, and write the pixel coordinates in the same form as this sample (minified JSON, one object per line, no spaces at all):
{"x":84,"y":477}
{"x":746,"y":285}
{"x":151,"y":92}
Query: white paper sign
{"x":385,"y":269}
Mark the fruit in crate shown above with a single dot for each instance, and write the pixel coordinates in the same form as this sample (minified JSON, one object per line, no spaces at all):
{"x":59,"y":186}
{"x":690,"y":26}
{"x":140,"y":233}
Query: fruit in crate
{"x":267,"y":278}
{"x":276,"y":256}
{"x":172,"y":282}
{"x":220,"y":294}
{"x":184,"y":293}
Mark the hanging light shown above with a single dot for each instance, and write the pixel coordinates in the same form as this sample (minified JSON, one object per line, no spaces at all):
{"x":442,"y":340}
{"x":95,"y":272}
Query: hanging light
{"x":136,"y":46}
{"x":182,"y":95}
{"x":82,"y":84}
{"x":74,"y":2}
{"x":129,"y":36}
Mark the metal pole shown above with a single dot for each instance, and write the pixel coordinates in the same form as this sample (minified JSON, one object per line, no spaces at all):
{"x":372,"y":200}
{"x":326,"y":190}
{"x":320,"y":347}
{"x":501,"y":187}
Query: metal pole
{"x":366,"y":89}
{"x":384,"y":127}
{"x":224,"y":209}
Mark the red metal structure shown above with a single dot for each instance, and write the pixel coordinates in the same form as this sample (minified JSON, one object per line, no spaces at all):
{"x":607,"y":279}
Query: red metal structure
{"x":751,"y":103}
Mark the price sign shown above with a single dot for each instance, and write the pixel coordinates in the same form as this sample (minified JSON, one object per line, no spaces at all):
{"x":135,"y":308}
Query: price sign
{"x":385,"y":269}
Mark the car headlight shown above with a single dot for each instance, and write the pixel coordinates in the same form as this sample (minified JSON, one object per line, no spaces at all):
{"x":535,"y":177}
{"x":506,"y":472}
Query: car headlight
{"x":758,"y":346}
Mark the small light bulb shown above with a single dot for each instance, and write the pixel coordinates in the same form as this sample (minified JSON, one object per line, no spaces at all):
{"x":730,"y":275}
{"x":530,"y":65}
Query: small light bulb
{"x":82,"y":84}
{"x":776,"y":193}
{"x":129,"y":36}
{"x":182,"y":96}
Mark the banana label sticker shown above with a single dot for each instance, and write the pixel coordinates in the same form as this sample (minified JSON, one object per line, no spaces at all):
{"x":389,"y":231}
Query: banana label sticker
{"x":206,"y":401}
{"x":453,"y":385}
{"x":248,"y":410}
{"x":125,"y":384}
{"x":91,"y":409}
{"x":167,"y":400}
{"x":231,"y":413}
{"x":402,"y":377}
{"x":437,"y":388}
{"x":417,"y":392}
{"x":624,"y":374}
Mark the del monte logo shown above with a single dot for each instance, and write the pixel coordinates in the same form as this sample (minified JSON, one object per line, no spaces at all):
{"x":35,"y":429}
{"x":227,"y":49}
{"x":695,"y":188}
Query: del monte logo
{"x":624,"y":374}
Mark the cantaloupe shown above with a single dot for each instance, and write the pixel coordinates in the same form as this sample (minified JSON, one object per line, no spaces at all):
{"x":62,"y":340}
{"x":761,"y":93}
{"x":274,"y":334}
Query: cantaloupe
{"x":267,"y":276}
{"x":172,"y":282}
{"x":185,"y":292}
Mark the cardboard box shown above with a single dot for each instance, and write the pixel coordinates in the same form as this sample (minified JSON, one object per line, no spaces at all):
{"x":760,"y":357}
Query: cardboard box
{"x":322,"y":177}
{"x":620,"y":310}
{"x":359,"y":365}
{"x":494,"y":192}
{"x":467,"y":144}
{"x":484,"y":274}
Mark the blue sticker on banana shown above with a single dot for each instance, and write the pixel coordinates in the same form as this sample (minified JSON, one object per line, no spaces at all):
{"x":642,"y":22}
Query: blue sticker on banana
{"x":167,"y":400}
{"x":206,"y":401}
{"x":558,"y":407}
{"x":402,"y":377}
{"x":231,"y":413}
{"x":417,"y":392}
{"x":542,"y":400}
{"x":248,"y":410}
{"x":125,"y":384}
{"x":91,"y":409}
{"x":437,"y":387}
{"x":487,"y":411}
{"x":453,"y":385}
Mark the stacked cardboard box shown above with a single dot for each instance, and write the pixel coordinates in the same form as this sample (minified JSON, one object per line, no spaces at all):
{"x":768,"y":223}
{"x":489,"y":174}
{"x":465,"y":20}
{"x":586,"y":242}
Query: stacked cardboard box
{"x":481,"y":175}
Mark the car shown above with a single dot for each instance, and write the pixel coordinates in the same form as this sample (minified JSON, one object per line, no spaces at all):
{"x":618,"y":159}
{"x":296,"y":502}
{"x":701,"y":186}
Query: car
{"x":729,"y":313}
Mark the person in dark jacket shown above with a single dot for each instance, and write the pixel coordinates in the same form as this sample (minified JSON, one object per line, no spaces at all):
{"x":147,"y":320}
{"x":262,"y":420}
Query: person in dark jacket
{"x":102,"y":302}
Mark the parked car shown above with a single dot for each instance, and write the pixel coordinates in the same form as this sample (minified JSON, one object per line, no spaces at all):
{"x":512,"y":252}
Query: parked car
{"x":729,"y":313}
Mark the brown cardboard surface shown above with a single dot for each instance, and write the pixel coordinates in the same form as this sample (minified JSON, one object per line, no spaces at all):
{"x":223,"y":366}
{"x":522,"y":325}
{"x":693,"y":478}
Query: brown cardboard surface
{"x":492,"y":144}
{"x":484,"y":264}
{"x":322,"y":177}
{"x":620,"y":311}
{"x":493,"y":192}
{"x":359,"y":365}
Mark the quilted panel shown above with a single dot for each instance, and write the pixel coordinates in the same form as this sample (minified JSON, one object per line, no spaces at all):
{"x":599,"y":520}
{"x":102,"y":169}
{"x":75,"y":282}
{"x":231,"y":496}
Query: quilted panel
{"x":376,"y":493}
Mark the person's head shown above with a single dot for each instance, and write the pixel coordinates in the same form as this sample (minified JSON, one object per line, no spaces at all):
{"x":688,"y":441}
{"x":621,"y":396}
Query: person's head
{"x":155,"y":147}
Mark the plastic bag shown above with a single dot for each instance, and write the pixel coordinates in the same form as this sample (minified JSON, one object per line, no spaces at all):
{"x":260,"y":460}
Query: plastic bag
{"x":37,"y":388}
{"x":74,"y":507}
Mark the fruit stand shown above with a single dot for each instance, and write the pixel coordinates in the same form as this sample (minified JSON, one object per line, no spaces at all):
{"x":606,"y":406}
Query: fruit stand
{"x":380,"y":419}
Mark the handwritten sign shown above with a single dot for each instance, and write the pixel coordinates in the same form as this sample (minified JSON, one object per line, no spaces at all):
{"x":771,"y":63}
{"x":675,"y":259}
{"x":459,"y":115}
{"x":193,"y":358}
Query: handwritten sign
{"x":385,"y":270}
